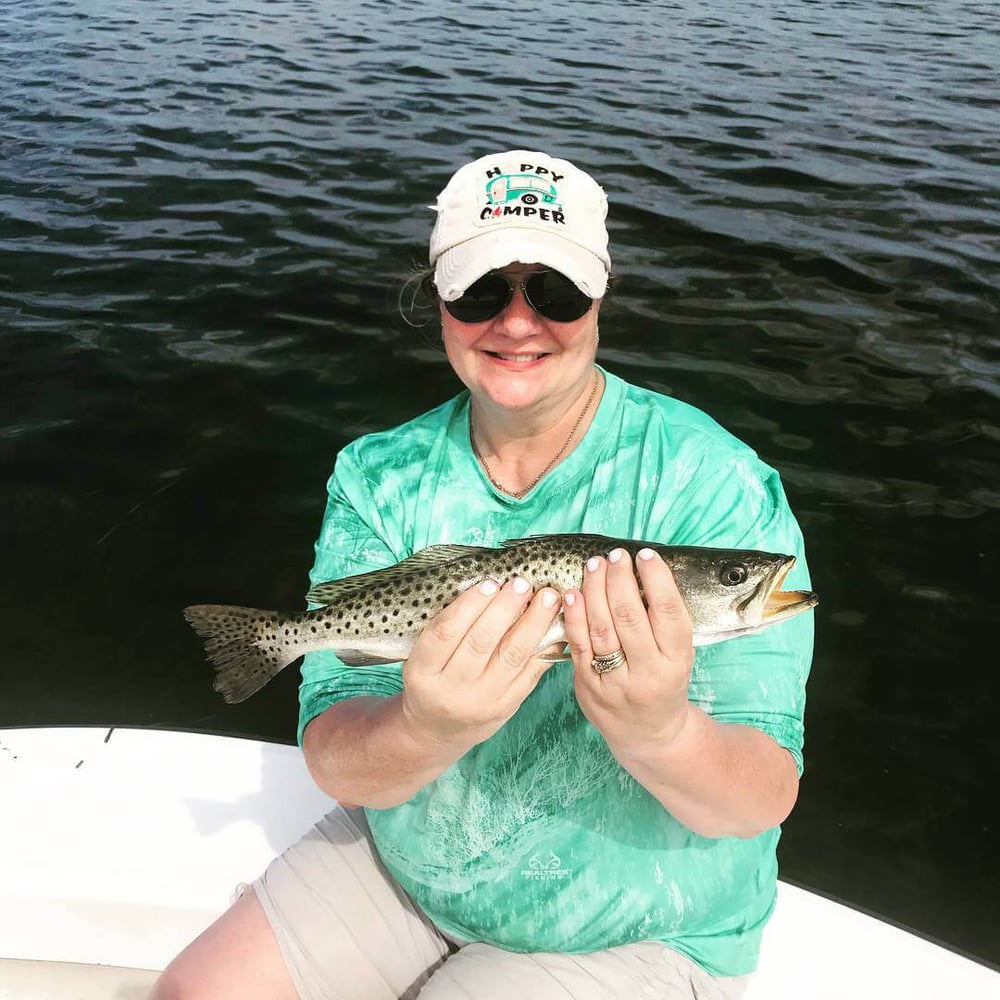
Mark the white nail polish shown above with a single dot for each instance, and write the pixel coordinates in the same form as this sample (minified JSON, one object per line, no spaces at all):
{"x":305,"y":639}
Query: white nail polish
{"x":569,"y":598}
{"x":615,"y":555}
{"x":521,"y":586}
{"x":488,"y":587}
{"x":644,"y":554}
{"x":592,"y":563}
{"x":549,"y":598}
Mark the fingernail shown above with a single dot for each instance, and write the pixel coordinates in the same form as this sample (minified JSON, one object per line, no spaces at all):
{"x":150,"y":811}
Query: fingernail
{"x":521,"y":586}
{"x":549,"y":598}
{"x":615,"y":555}
{"x":488,"y":587}
{"x":569,"y":598}
{"x":592,"y":563}
{"x":644,"y":554}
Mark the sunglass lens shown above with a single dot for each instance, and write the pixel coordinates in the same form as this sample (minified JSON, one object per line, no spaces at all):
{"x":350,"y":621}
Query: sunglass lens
{"x":556,"y":297}
{"x":482,"y":300}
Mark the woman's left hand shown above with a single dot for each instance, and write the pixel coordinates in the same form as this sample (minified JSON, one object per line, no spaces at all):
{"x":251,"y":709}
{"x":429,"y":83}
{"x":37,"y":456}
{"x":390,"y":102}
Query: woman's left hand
{"x":643,"y":702}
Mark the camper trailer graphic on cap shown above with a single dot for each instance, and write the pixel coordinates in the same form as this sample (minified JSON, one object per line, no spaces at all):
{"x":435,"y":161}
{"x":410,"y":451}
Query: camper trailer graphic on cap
{"x":529,"y":189}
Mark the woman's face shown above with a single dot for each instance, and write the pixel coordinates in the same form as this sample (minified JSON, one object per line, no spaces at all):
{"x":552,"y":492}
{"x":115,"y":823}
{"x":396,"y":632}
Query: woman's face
{"x":519,"y":360}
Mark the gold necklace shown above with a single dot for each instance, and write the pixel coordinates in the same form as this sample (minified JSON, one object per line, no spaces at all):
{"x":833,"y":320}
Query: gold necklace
{"x":517,"y":494}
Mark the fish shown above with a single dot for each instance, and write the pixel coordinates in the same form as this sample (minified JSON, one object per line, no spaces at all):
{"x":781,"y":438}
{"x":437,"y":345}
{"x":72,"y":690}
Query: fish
{"x":375,"y":617}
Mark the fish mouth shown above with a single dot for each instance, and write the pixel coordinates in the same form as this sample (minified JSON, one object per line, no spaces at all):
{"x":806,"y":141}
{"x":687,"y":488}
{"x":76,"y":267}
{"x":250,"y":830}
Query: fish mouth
{"x":779,"y":604}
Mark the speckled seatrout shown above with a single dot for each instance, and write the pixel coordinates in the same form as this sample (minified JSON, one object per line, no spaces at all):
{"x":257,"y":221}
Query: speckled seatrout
{"x":376,"y":617}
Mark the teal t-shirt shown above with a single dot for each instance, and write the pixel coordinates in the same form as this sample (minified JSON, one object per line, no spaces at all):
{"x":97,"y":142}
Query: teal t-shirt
{"x":537,"y":839}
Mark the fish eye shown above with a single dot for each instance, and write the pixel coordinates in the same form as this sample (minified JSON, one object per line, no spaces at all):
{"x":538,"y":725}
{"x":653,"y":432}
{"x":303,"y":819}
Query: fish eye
{"x":734,"y":574}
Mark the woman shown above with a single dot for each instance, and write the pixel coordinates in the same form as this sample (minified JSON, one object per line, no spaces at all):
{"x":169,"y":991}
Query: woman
{"x":594,"y":829}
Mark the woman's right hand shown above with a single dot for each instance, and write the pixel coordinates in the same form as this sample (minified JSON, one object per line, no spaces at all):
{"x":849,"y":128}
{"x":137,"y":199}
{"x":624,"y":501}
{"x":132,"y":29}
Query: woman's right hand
{"x":474,"y":664}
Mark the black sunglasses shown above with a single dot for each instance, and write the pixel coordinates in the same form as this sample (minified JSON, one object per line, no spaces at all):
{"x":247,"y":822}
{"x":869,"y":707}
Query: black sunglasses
{"x":549,"y":293}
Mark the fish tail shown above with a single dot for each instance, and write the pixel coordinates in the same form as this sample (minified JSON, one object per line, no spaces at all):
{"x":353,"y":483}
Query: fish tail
{"x":243,"y":645}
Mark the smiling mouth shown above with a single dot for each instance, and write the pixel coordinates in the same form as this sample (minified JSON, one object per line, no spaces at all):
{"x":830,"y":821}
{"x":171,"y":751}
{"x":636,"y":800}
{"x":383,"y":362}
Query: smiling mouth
{"x":521,"y":358}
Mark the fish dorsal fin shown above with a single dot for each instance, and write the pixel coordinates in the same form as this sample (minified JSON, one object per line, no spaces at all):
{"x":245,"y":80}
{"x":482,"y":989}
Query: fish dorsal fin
{"x":513,"y":543}
{"x":432,"y":556}
{"x":573,"y":538}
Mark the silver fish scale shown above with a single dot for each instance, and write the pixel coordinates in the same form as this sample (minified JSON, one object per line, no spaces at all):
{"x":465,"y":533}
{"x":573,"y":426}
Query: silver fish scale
{"x":403,"y":605}
{"x":397,"y":602}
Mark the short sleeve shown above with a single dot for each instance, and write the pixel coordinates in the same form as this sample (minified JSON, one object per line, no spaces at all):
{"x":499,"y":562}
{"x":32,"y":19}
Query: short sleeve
{"x":353,"y":538}
{"x":757,"y":680}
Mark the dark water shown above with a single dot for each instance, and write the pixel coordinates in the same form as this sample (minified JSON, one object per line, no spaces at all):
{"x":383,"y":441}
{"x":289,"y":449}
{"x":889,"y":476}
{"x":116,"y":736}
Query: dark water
{"x":205,"y":211}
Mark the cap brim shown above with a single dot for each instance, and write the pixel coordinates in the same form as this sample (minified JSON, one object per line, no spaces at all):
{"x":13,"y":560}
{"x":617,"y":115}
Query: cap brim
{"x":465,"y":263}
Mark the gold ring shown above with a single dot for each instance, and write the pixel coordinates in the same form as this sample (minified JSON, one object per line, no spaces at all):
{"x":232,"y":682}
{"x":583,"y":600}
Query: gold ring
{"x":602,"y":664}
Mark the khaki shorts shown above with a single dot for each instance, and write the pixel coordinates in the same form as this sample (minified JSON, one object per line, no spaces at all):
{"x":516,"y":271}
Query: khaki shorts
{"x":348,"y":932}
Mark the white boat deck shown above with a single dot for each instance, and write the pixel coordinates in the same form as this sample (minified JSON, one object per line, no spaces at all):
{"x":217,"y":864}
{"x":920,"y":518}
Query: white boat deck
{"x":120,"y":846}
{"x":23,"y":980}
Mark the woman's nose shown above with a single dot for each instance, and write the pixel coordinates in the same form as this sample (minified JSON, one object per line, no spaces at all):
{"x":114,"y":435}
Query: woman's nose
{"x":519,"y":319}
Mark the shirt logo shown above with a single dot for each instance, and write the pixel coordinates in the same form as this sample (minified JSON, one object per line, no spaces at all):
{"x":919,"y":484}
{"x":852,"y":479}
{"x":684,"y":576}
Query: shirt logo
{"x":545,"y":867}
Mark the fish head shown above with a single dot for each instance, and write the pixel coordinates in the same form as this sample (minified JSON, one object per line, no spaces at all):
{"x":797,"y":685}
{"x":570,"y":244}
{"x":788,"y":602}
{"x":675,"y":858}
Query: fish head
{"x":731,"y":592}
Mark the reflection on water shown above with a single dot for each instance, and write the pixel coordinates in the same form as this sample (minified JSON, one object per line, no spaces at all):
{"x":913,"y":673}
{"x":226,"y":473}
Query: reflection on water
{"x":206,"y":214}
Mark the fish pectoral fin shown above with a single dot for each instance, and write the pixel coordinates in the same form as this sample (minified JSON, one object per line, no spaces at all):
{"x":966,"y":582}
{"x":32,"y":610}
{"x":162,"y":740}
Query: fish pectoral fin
{"x":361,"y":658}
{"x":433,"y":555}
{"x":554,"y":653}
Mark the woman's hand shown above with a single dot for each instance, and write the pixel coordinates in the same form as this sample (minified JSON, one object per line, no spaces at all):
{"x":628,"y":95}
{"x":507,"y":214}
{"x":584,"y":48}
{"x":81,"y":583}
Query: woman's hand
{"x":643,"y":702}
{"x":474,"y":663}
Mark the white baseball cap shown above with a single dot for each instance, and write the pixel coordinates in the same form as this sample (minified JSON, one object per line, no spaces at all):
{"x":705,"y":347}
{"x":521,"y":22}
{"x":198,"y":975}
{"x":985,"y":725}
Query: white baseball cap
{"x":520,"y":206}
